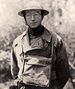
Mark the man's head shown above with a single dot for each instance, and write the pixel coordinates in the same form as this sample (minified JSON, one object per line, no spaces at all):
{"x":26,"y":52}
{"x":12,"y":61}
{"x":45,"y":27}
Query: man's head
{"x":33,"y":12}
{"x":33,"y":18}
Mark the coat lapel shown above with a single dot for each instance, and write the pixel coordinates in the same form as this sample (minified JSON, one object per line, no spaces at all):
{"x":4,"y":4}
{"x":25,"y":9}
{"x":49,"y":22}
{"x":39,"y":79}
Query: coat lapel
{"x":25,"y":40}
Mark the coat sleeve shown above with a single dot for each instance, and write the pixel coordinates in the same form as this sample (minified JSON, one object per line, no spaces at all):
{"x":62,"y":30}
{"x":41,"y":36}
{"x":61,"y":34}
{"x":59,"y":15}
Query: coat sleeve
{"x":14,"y":65}
{"x":61,"y":64}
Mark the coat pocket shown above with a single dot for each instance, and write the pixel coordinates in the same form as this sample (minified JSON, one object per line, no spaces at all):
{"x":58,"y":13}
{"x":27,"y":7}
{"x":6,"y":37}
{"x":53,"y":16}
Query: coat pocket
{"x":39,"y":71}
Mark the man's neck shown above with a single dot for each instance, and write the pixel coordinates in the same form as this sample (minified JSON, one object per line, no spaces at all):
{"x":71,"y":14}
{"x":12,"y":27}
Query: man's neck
{"x":36,"y":31}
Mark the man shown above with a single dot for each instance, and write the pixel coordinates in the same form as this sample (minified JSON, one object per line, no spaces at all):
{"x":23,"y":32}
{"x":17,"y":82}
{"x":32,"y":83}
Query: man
{"x":39,"y":58}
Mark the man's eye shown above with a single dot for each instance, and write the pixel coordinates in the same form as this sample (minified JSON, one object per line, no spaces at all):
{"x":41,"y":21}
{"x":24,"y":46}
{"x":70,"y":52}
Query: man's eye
{"x":37,"y":14}
{"x":28,"y":15}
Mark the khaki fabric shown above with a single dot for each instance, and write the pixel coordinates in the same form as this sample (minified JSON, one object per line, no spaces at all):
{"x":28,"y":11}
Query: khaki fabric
{"x":25,"y":56}
{"x":68,"y":85}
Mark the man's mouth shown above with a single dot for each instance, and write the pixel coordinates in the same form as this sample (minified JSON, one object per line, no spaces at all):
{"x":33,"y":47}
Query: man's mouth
{"x":33,"y":23}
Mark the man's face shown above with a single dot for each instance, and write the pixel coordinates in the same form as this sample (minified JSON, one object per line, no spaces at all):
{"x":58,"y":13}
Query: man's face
{"x":33,"y":18}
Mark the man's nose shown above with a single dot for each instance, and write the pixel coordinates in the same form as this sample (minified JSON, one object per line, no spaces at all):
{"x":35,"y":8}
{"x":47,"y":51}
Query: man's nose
{"x":33,"y":18}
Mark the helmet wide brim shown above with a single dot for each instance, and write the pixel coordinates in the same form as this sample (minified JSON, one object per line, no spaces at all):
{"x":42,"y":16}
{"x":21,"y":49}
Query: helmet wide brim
{"x":21,"y":13}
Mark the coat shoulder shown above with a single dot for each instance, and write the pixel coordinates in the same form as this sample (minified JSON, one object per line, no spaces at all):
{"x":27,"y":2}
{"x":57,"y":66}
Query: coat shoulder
{"x":56,"y":38}
{"x":18,"y":40}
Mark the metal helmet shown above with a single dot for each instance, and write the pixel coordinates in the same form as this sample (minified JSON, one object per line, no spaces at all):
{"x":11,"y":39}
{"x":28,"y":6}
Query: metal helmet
{"x":32,"y":5}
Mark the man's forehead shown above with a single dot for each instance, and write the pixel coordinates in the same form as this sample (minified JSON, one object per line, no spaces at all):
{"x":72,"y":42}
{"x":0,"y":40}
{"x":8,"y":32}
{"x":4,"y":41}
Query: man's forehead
{"x":33,"y":11}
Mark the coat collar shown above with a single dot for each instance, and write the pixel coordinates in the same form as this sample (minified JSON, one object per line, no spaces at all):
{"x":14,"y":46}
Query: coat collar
{"x":25,"y":39}
{"x":46,"y":35}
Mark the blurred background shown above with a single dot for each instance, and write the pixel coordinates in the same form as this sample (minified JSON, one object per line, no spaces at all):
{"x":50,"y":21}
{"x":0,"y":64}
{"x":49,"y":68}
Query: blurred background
{"x":61,"y":19}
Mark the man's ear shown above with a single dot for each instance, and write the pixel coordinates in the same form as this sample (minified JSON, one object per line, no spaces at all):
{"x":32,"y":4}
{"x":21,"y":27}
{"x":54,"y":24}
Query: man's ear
{"x":24,"y":17}
{"x":42,"y":17}
{"x":42,"y":14}
{"x":25,"y":20}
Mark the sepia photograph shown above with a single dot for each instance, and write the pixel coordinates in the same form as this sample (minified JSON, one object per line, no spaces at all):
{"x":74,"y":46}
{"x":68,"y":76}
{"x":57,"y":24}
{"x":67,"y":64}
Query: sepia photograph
{"x":37,"y":44}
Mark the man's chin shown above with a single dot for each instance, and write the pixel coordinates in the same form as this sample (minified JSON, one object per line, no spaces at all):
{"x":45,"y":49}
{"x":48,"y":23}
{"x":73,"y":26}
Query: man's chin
{"x":33,"y":27}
